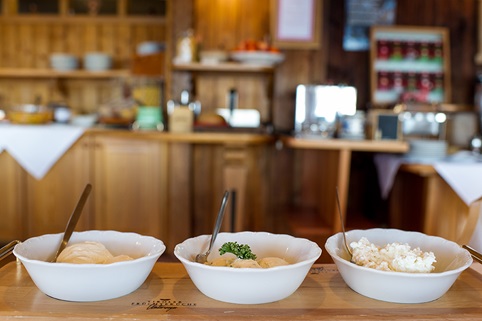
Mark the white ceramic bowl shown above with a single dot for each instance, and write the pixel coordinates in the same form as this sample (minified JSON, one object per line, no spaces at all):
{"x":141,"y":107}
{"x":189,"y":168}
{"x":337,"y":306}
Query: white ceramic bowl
{"x":257,"y":58}
{"x":90,"y":282}
{"x":84,"y":120}
{"x":63,"y":61}
{"x":249,"y":286}
{"x":97,"y":61}
{"x":397,"y":286}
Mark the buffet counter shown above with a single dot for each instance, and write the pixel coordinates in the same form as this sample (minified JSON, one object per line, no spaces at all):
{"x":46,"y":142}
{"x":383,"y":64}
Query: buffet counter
{"x":155,"y":183}
{"x":169,"y":294}
{"x":334,"y":165}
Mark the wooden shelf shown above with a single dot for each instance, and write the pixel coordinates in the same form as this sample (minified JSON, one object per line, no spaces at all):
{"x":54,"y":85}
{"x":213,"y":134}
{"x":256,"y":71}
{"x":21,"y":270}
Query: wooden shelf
{"x":222,"y":67}
{"x":50,"y":73}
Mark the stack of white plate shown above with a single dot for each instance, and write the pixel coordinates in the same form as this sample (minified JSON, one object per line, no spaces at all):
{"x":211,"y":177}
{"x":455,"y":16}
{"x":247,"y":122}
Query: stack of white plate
{"x":424,"y":150}
{"x":97,"y":61}
{"x":63,"y":61}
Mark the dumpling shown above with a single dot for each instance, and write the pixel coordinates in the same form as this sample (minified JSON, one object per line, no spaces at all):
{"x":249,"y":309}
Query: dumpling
{"x":269,"y":262}
{"x":85,"y":253}
{"x":118,"y":258}
{"x":89,"y":253}
{"x":221,"y":261}
{"x":240,"y":263}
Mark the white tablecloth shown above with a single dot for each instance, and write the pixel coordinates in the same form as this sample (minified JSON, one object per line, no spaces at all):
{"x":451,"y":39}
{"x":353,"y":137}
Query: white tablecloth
{"x":462,"y":172}
{"x":38,"y":147}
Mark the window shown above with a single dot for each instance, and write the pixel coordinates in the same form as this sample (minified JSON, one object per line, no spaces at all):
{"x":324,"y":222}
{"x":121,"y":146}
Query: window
{"x":147,"y":7}
{"x":38,"y":6}
{"x":93,"y":7}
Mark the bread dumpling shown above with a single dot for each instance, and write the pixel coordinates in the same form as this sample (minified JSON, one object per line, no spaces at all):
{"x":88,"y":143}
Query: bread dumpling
{"x":221,"y":261}
{"x":269,"y":262}
{"x":240,"y":263}
{"x":118,"y":258}
{"x":89,"y":253}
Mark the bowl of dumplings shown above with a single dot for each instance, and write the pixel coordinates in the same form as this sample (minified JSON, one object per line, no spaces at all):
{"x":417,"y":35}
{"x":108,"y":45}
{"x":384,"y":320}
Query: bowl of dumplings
{"x":94,"y":266}
{"x":248,"y":267}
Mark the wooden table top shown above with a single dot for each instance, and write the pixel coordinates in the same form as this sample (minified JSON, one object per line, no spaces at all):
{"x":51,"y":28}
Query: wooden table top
{"x":169,"y":294}
{"x":366,"y":145}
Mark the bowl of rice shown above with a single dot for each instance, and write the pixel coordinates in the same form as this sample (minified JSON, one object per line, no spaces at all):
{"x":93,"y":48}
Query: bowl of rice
{"x":398,"y":266}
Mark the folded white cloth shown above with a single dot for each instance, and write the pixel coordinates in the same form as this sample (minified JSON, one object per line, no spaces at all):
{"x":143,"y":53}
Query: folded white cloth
{"x":464,"y":178}
{"x":461,"y":172}
{"x":38,"y":147}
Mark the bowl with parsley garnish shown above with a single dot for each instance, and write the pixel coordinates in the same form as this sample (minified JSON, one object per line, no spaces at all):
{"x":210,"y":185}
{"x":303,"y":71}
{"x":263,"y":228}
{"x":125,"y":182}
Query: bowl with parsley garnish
{"x":248,"y":267}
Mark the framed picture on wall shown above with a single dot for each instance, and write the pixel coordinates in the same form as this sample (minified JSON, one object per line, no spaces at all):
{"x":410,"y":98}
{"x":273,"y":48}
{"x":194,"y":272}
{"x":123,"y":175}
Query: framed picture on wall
{"x":296,"y":24}
{"x":409,"y":64}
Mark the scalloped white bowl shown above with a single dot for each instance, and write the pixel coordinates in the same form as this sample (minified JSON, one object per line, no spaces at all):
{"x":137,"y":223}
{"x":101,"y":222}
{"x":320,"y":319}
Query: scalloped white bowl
{"x":400,"y":287}
{"x":249,"y":286}
{"x":90,"y":282}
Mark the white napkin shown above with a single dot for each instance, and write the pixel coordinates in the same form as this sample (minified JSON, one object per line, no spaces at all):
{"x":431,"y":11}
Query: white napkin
{"x":464,"y":178}
{"x":38,"y":147}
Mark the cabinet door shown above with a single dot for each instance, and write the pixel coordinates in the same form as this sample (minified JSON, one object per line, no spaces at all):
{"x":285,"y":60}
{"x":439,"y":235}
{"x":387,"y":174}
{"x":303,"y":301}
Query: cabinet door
{"x":12,"y":209}
{"x":131,"y":185}
{"x":52,"y":199}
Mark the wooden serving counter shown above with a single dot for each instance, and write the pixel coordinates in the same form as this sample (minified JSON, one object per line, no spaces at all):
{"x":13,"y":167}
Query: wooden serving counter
{"x":334,"y":168}
{"x":169,"y":294}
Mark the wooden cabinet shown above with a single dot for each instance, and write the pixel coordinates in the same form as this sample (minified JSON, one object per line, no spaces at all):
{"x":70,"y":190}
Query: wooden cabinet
{"x":11,"y":199}
{"x":164,"y":185}
{"x":51,"y":200}
{"x":130,"y":184}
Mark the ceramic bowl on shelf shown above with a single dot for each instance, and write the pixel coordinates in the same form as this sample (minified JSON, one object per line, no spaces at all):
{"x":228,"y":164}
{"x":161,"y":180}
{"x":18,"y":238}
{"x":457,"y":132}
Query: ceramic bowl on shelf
{"x":84,"y":120}
{"x":400,"y":287}
{"x":249,"y":285}
{"x":97,"y":61}
{"x":63,"y":61}
{"x":30,"y":114}
{"x":90,"y":282}
{"x":257,"y":58}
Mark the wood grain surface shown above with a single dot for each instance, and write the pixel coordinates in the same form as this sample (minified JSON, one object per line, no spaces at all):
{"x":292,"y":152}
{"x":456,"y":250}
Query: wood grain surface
{"x":169,"y":294}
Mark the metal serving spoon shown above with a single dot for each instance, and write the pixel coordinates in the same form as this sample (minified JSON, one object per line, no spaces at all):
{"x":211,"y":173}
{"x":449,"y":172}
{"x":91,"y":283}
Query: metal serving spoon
{"x":343,"y":226}
{"x":74,"y":218}
{"x":203,"y":257}
{"x":475,"y":254}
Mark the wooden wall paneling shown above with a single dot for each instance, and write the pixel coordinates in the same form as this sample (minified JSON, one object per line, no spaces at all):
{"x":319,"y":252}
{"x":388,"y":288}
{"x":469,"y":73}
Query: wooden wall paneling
{"x":253,"y":22}
{"x":57,"y":38}
{"x":204,"y":15}
{"x":9,"y":45}
{"x":41,"y":51}
{"x":75,"y":32}
{"x":123,"y":48}
{"x":91,"y":36}
{"x":26,"y":52}
{"x":108,"y":38}
{"x":223,"y":24}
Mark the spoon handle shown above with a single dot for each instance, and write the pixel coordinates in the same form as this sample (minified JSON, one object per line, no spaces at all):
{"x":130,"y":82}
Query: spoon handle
{"x":475,"y":254}
{"x":219,"y":219}
{"x":74,"y":218}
